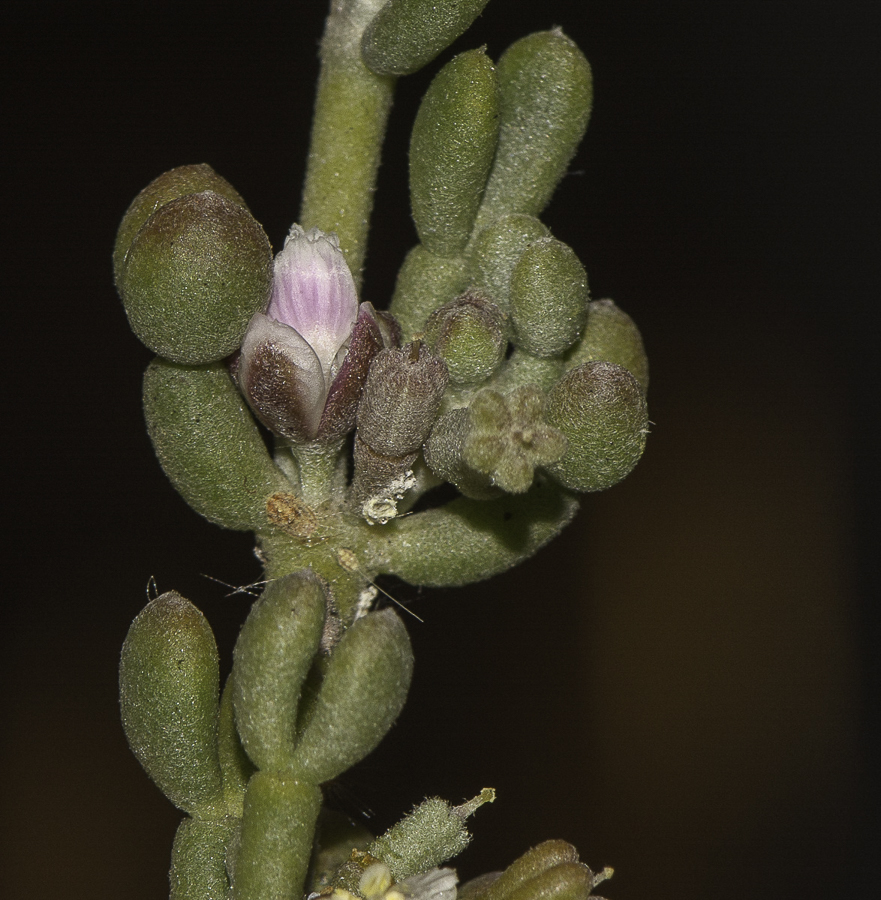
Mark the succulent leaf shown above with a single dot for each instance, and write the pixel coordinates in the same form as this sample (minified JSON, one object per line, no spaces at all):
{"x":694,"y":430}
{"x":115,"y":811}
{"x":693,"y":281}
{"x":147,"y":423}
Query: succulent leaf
{"x":408,"y":34}
{"x":451,"y":151}
{"x":168,"y":692}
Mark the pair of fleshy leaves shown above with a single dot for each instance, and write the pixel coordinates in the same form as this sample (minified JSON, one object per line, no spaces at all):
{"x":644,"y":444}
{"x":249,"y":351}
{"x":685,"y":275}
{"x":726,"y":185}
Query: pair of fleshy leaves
{"x":304,"y":362}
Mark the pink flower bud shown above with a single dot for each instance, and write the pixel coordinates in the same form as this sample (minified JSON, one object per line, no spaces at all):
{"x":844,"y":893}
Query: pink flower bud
{"x":303,"y":362}
{"x":313,"y":292}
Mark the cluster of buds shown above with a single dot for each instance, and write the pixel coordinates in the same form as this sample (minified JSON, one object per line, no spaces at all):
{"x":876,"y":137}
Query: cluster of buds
{"x":493,"y":371}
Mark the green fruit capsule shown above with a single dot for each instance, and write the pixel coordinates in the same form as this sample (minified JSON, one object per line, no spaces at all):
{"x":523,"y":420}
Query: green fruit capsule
{"x":535,"y":861}
{"x":273,"y":655}
{"x":469,"y":335}
{"x":432,"y":833}
{"x":408,"y":34}
{"x":208,"y":444}
{"x":565,"y":881}
{"x":365,"y":683}
{"x":168,"y":692}
{"x":546,"y":96}
{"x":548,"y":298}
{"x":169,"y":186}
{"x":451,"y":151}
{"x":601,"y":409}
{"x":194,"y":274}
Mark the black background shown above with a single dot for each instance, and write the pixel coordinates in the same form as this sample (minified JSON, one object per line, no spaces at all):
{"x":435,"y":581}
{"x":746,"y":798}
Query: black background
{"x":685,"y":684}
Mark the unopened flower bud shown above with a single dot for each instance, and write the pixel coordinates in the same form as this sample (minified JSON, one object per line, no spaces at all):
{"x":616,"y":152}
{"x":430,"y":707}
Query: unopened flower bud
{"x":304,"y":362}
{"x":548,"y":298}
{"x":194,"y":274}
{"x":401,"y":399}
{"x":469,"y":335}
{"x":601,"y":409}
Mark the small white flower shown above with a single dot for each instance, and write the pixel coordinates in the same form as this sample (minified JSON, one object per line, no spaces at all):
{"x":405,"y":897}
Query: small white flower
{"x":435,"y":884}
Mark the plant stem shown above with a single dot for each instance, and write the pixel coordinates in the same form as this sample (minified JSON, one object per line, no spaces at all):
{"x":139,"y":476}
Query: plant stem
{"x":322,"y":471}
{"x":351,"y":111}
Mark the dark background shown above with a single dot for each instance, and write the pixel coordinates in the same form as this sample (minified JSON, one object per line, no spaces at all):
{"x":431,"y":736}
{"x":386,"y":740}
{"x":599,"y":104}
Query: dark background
{"x":685,"y":684}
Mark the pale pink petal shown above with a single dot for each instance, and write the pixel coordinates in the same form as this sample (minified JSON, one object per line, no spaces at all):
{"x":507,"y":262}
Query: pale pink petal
{"x":313,"y":292}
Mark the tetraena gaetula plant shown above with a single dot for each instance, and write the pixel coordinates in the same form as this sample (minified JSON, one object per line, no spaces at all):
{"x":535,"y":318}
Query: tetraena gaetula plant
{"x":492,"y":372}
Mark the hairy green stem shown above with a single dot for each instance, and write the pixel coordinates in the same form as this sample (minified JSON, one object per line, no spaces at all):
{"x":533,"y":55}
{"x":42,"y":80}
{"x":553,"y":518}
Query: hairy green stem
{"x":322,"y":471}
{"x":351,"y":111}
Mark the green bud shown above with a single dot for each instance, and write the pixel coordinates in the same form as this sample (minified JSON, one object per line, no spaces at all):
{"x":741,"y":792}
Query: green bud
{"x":275,"y":845}
{"x":601,"y":409}
{"x":469,"y":540}
{"x":535,"y":861}
{"x":198,"y":860}
{"x":400,"y":400}
{"x":364,"y":687}
{"x":548,"y":298}
{"x":451,"y":151}
{"x":273,"y":655}
{"x":169,"y":186}
{"x":546,"y":96}
{"x":195,"y":273}
{"x":430,"y":835}
{"x":208,"y":444}
{"x":496,"y":251}
{"x":408,"y":34}
{"x":611,"y":336}
{"x":468,"y":334}
{"x":168,"y":691}
{"x":425,"y":282}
